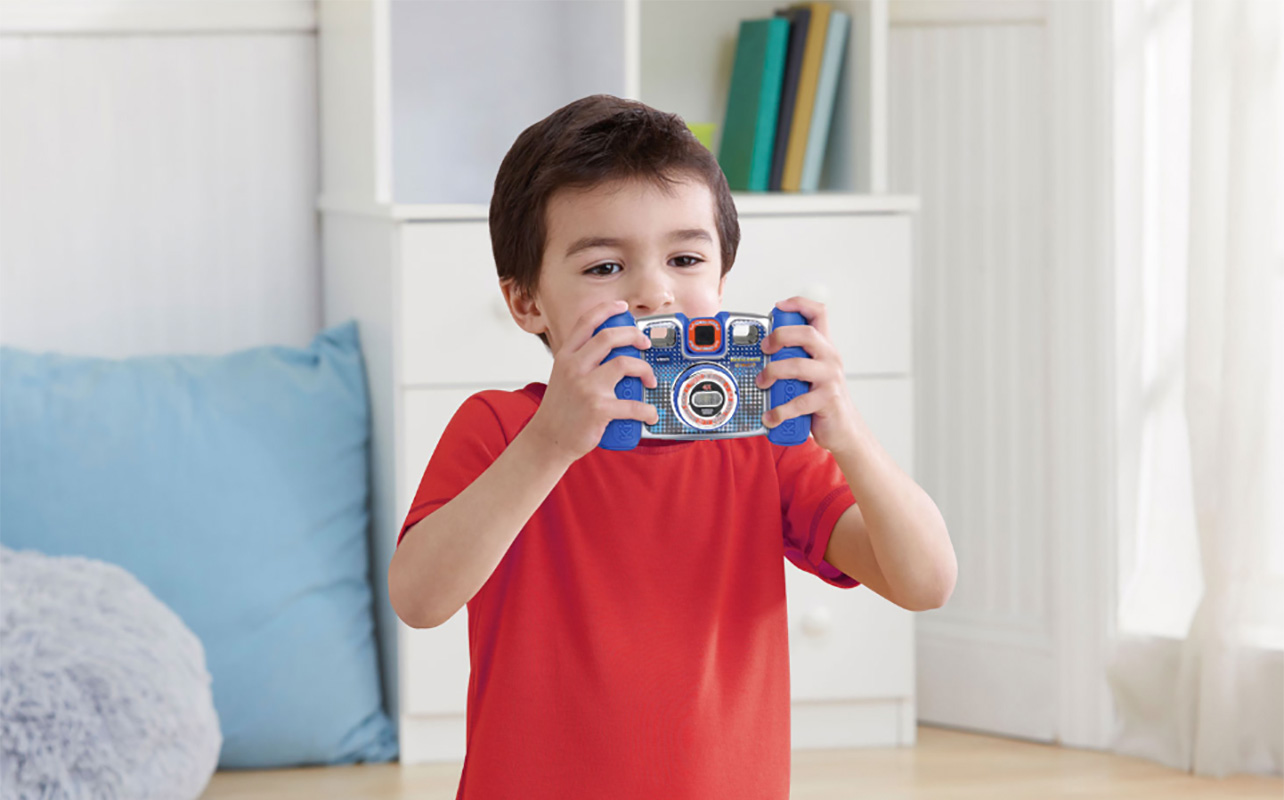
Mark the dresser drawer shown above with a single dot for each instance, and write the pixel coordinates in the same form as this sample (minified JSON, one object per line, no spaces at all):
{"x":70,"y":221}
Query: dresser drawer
{"x":434,"y":667}
{"x":424,"y":414}
{"x":434,"y":661}
{"x":455,"y":326}
{"x":858,"y":265}
{"x":852,"y":644}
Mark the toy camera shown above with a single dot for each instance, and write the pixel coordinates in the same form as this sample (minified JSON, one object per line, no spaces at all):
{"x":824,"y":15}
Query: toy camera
{"x":705,"y":370}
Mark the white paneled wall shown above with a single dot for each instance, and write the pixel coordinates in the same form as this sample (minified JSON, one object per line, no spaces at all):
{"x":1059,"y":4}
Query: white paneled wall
{"x":996,"y":123}
{"x":158,"y":189}
{"x":968,"y":136}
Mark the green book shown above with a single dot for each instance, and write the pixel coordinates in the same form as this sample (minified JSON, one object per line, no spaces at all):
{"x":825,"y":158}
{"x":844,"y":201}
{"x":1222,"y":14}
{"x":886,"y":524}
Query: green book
{"x":753,"y":102}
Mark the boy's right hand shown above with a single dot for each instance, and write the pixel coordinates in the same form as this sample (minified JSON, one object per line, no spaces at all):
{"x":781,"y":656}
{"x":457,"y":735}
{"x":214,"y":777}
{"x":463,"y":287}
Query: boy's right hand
{"x":580,"y":399}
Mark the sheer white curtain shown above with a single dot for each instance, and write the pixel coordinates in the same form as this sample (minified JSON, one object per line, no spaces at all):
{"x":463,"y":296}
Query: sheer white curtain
{"x":1198,"y":664}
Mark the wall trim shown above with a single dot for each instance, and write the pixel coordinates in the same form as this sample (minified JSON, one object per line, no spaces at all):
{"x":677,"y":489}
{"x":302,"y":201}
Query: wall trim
{"x":960,"y":677}
{"x":974,"y":12}
{"x":120,"y":17}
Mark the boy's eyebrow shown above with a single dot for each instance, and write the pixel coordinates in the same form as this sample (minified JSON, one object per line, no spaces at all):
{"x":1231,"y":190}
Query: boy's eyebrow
{"x":684,"y":235}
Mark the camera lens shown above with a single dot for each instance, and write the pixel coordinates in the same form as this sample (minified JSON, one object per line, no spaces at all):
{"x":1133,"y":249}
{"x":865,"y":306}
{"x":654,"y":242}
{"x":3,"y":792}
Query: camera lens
{"x":704,"y":335}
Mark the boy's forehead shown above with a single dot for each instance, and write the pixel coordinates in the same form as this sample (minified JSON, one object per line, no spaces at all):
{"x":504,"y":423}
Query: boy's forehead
{"x":627,"y":210}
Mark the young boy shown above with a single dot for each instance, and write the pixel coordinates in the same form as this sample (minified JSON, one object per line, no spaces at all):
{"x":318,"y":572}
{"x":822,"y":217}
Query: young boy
{"x":626,"y":610}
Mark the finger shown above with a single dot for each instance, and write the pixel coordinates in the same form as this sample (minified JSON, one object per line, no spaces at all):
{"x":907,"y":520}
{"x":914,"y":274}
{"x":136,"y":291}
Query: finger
{"x":588,"y":322}
{"x":805,"y":336}
{"x":600,"y":346}
{"x":799,"y":369}
{"x":617,"y":369}
{"x":634,"y":409}
{"x":812,"y":310}
{"x":806,"y":404}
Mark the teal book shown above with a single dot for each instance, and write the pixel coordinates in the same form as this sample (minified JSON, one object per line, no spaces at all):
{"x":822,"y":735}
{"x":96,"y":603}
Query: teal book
{"x":826,"y":91}
{"x":753,"y":103}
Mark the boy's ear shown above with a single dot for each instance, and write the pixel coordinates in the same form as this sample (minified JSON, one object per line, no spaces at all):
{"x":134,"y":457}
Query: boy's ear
{"x":524,"y":308}
{"x":722,"y":284}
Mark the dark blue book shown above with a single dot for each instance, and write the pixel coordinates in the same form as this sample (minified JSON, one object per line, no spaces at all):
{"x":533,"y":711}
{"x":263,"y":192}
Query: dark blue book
{"x":799,"y":21}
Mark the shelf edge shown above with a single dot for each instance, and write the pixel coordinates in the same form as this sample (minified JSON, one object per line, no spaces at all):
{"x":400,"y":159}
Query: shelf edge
{"x":747,"y":204}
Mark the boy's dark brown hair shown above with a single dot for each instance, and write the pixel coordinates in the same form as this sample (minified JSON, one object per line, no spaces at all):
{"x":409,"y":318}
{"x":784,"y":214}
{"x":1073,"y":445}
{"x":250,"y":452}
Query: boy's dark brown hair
{"x":594,"y":140}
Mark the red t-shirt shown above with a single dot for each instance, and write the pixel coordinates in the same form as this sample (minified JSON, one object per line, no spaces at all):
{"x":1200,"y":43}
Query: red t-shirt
{"x":633,"y":642}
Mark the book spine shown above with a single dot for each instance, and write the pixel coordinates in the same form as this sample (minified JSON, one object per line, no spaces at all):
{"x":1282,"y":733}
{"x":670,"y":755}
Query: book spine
{"x":753,"y":103}
{"x":799,"y":18}
{"x":769,"y":104}
{"x":818,"y":137}
{"x":791,"y":181}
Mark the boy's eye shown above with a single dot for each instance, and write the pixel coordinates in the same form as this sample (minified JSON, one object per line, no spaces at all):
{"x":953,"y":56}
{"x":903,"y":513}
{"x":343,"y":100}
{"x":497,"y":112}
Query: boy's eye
{"x":612,"y":267}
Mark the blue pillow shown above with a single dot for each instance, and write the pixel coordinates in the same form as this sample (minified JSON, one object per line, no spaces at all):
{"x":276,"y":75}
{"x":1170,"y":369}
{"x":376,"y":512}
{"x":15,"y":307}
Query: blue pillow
{"x":236,"y":488}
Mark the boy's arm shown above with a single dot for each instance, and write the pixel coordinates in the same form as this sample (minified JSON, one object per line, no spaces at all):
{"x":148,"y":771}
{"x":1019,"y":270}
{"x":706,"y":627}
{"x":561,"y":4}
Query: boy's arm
{"x":446,"y":557}
{"x":894,"y":539}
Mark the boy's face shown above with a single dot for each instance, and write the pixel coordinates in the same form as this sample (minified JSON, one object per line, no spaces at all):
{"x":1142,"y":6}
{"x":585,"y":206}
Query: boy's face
{"x":625,"y":240}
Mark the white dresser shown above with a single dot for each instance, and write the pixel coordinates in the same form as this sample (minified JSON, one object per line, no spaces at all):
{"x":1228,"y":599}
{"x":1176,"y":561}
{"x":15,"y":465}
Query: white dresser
{"x":419,"y":277}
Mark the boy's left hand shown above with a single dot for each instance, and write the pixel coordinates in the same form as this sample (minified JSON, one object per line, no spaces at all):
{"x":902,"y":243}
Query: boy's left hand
{"x":834,"y":420}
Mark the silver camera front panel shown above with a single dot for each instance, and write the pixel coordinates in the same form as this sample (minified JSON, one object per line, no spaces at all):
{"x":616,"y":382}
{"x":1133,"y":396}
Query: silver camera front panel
{"x":742,"y":359}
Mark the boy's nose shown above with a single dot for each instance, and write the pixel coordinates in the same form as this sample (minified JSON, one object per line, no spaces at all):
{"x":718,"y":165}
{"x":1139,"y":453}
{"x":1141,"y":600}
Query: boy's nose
{"x":650,"y":297}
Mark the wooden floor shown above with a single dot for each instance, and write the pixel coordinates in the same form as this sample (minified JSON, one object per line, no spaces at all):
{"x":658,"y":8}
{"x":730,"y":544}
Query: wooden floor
{"x":944,"y":764}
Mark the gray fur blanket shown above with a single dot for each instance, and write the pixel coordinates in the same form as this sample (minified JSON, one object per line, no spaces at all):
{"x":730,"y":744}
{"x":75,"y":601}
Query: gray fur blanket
{"x":104,"y":691}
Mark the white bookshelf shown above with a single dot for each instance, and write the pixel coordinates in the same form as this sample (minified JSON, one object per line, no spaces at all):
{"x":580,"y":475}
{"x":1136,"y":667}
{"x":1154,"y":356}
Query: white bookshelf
{"x":777,"y":203}
{"x":420,"y":100}
{"x":685,"y":54}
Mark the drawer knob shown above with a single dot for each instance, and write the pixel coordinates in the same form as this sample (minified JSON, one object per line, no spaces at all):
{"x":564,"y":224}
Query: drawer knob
{"x":817,"y":622}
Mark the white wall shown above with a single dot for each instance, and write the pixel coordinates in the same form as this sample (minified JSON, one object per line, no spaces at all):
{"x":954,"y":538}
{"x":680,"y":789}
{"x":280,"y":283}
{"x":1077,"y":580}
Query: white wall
{"x":999,"y":122}
{"x":968,"y":135}
{"x":159,"y":173}
{"x":158,"y":177}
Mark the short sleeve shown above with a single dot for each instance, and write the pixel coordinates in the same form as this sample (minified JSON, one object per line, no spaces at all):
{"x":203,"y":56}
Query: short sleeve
{"x":471,"y":442}
{"x":813,"y":495}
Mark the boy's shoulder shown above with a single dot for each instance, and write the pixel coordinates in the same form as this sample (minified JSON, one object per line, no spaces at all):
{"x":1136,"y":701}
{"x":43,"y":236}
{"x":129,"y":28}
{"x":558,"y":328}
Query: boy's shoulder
{"x":511,"y":407}
{"x":529,"y":396}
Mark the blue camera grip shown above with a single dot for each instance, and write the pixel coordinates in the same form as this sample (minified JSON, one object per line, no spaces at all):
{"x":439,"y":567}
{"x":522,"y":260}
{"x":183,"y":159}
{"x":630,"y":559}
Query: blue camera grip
{"x":796,"y":430}
{"x":622,"y":434}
